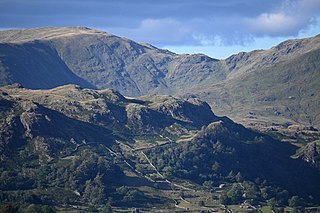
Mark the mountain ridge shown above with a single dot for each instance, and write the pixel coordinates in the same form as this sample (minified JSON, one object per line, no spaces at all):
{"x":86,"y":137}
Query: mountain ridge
{"x":95,"y":59}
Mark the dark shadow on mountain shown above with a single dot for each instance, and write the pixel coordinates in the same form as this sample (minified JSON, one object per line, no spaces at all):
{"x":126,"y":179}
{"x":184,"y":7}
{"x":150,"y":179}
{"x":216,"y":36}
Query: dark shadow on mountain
{"x":36,"y":65}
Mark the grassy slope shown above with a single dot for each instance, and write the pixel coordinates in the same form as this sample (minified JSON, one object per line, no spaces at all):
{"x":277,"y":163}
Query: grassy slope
{"x":288,"y":90}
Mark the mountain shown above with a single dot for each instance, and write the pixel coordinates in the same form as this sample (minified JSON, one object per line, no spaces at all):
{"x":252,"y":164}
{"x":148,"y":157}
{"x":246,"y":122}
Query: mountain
{"x":284,"y":92}
{"x":279,"y":85}
{"x":73,"y":148}
{"x":103,"y":60}
{"x":245,"y":62}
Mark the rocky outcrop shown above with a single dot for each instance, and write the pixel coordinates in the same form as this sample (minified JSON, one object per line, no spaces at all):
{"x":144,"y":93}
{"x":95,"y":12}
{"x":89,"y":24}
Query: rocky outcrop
{"x":311,"y":153}
{"x":44,"y":110}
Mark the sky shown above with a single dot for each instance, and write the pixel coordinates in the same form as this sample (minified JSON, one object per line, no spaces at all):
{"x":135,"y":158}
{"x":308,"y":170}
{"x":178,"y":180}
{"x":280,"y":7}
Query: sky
{"x":218,"y":28}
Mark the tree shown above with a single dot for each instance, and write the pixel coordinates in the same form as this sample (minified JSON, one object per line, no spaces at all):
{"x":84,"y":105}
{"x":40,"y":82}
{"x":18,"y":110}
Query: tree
{"x":47,"y":209}
{"x":239,"y":177}
{"x":106,"y":209}
{"x":223,"y":199}
{"x":215,"y":166}
{"x":129,"y":195}
{"x":272,"y":202}
{"x":294,"y":201}
{"x":235,"y":193}
{"x":265,"y":192}
{"x":8,"y":208}
{"x":94,"y":191}
{"x":279,"y":210}
{"x":132,"y":195}
{"x":208,"y":184}
{"x":251,"y":193}
{"x":168,"y":171}
{"x":123,"y":190}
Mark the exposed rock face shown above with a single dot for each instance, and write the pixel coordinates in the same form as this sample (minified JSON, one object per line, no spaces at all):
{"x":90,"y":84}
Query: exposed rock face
{"x":191,"y":110}
{"x":142,"y":118}
{"x":311,"y":154}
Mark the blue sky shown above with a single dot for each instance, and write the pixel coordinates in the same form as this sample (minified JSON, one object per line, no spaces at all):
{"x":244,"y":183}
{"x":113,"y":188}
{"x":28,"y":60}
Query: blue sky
{"x":217,"y":28}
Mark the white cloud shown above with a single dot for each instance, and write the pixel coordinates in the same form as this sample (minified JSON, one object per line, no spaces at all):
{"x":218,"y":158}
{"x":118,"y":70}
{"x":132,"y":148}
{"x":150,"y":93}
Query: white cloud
{"x":272,"y":24}
{"x":290,"y":18}
{"x":166,"y":31}
{"x":208,"y":40}
{"x":171,"y":22}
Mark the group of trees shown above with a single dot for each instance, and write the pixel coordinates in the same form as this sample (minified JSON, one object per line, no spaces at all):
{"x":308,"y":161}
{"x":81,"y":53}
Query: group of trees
{"x":258,"y":167}
{"x":128,"y":195}
{"x":9,"y":208}
{"x":88,"y":177}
